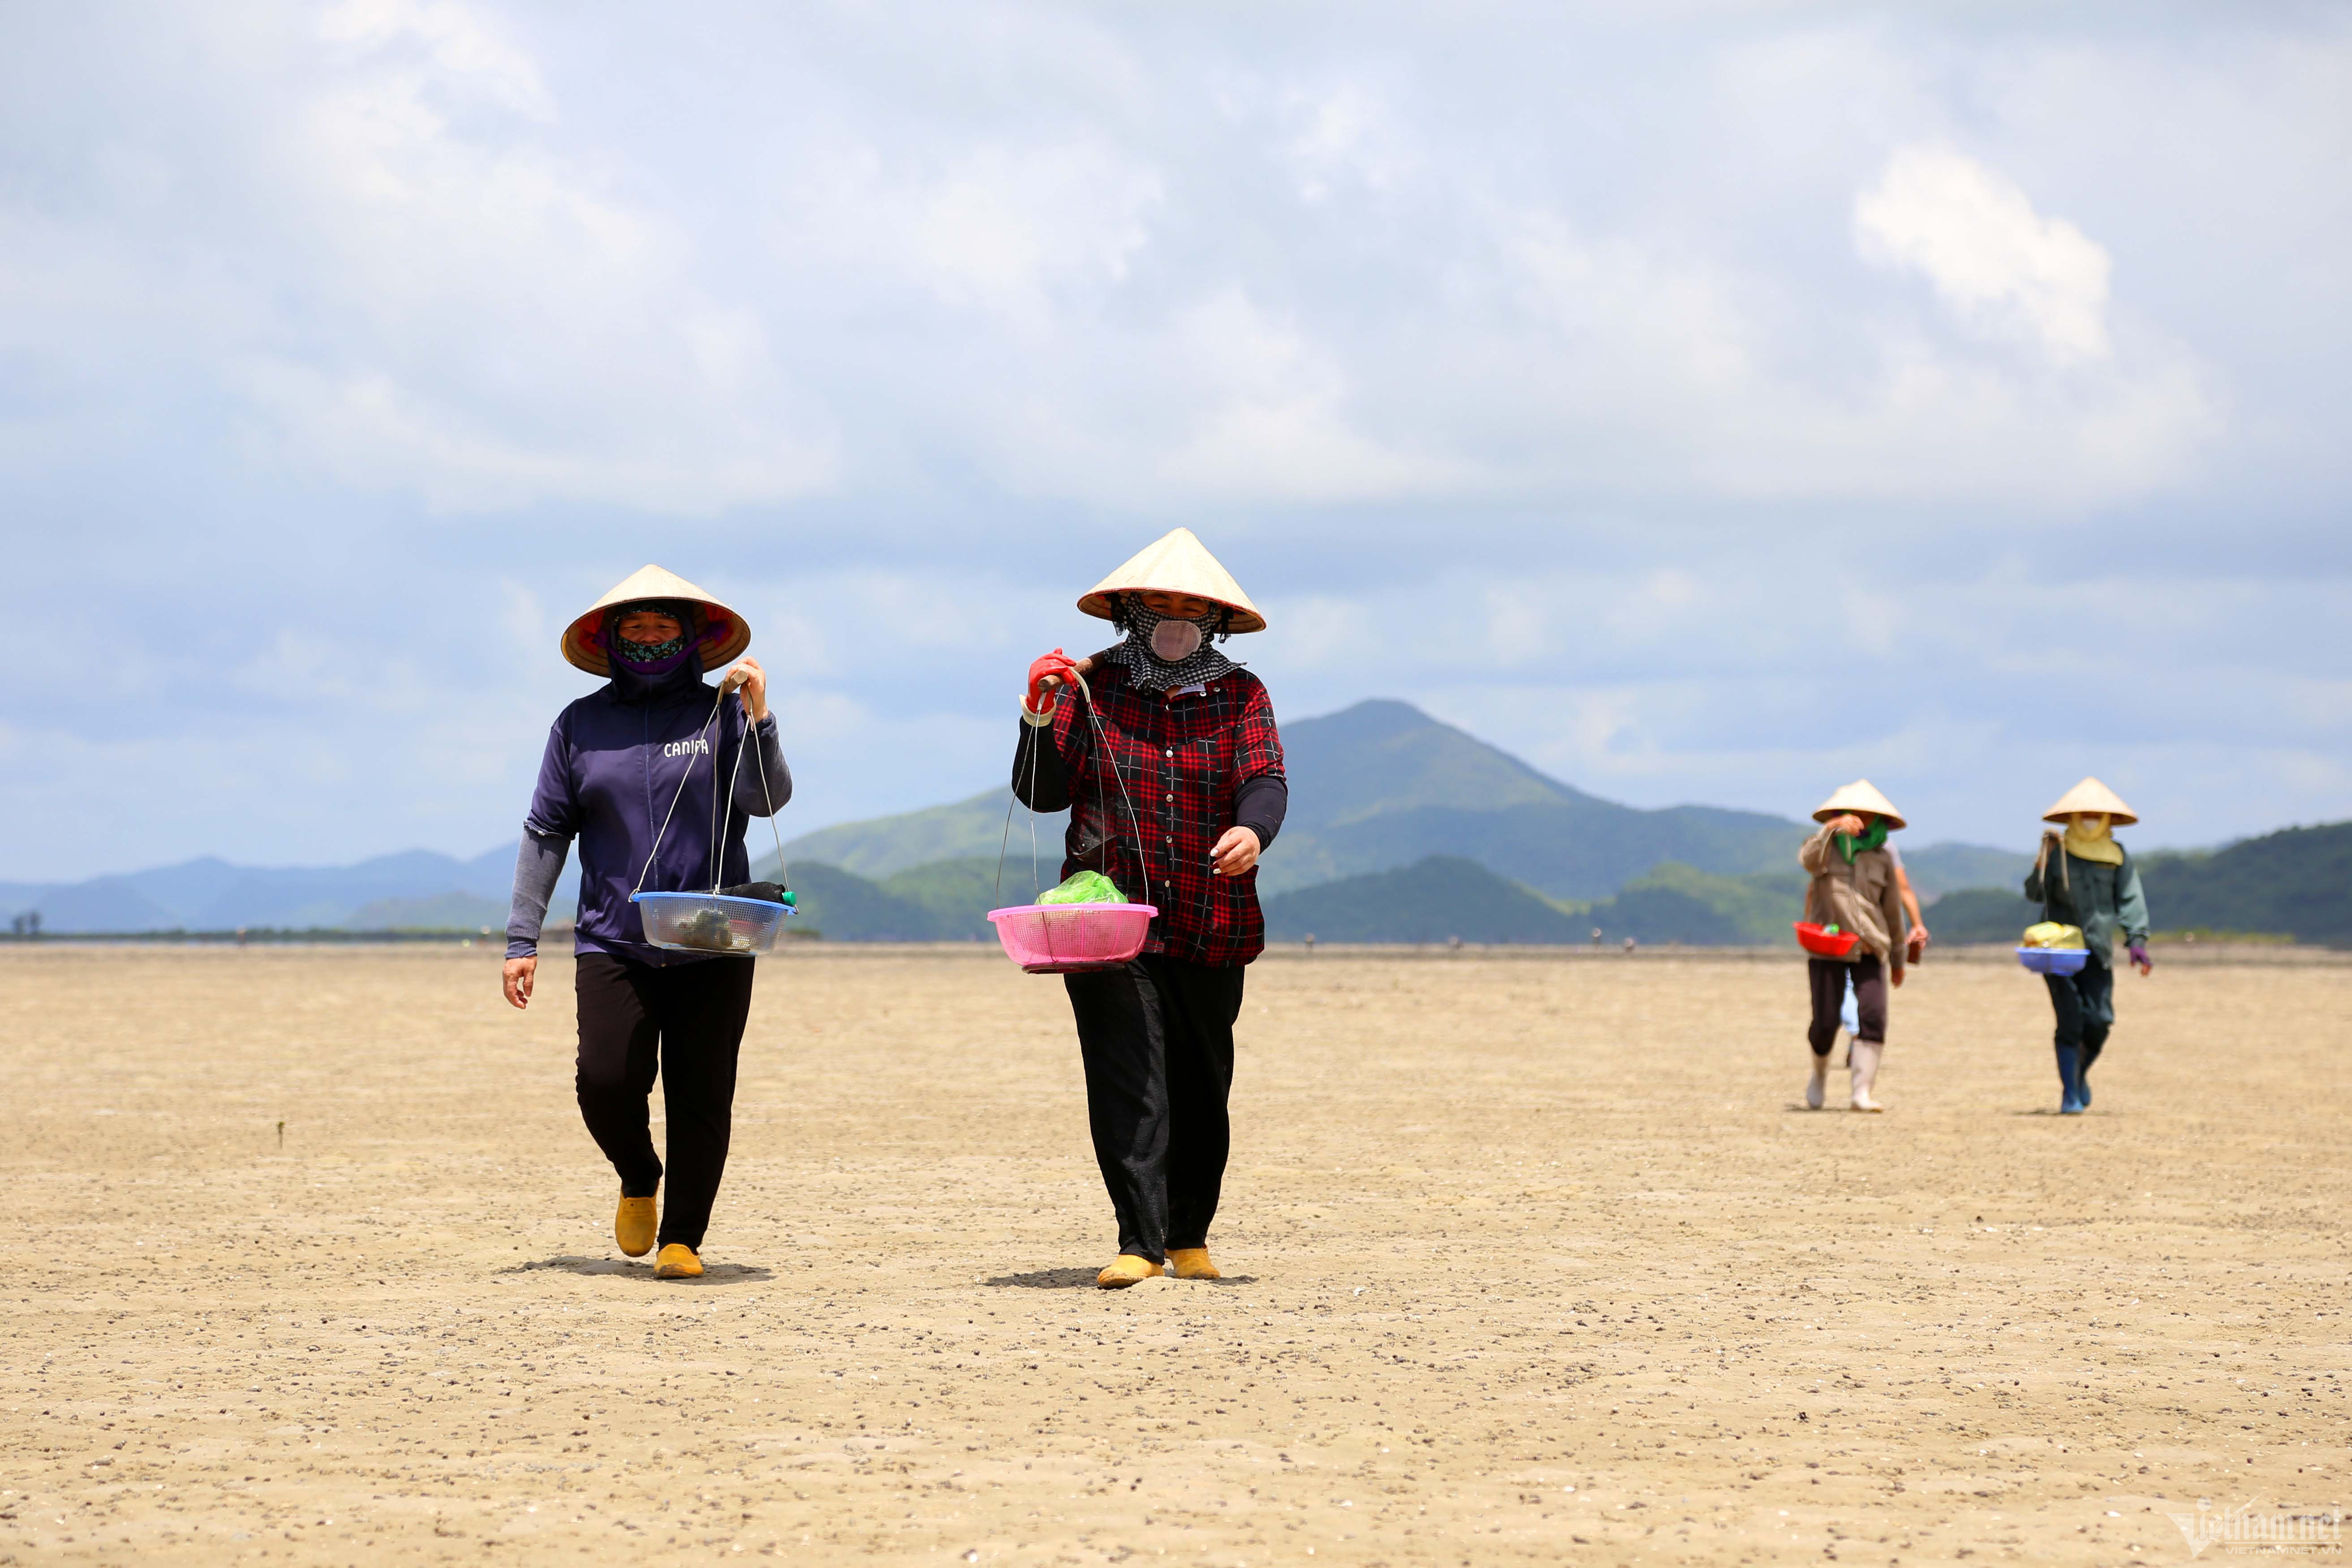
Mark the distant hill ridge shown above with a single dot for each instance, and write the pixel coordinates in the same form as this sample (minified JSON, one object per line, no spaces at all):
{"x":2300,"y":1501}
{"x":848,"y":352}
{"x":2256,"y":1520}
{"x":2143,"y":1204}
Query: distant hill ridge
{"x":418,"y":888}
{"x":1377,"y":789}
{"x":2295,"y":883}
{"x":1383,"y":785}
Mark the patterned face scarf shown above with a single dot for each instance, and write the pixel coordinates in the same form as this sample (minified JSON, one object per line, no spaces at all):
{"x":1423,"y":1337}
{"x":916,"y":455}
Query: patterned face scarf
{"x":1150,"y":638}
{"x":644,"y":653}
{"x":1871,"y":837}
{"x":653,"y":664}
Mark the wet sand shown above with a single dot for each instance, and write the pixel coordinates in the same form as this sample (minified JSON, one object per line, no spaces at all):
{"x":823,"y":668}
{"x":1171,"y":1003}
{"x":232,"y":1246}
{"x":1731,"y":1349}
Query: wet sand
{"x":1533,"y":1260}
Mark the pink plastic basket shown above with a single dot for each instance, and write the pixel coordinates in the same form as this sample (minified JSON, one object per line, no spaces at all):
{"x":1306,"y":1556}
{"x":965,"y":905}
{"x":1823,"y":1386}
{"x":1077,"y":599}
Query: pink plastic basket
{"x":1056,"y":938}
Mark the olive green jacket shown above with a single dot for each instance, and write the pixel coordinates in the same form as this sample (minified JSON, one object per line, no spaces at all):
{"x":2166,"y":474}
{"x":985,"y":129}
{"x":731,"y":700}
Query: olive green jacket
{"x":2091,"y":894}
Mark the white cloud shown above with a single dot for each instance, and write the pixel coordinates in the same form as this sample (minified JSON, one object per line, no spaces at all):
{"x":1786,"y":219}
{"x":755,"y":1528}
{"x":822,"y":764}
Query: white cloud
{"x":1269,"y":416}
{"x":1572,"y":374}
{"x":1002,"y":228}
{"x":1999,"y":265}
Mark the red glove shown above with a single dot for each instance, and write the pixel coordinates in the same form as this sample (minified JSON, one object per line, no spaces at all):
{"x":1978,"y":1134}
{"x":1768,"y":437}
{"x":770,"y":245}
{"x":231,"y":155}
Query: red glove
{"x":1055,"y":663}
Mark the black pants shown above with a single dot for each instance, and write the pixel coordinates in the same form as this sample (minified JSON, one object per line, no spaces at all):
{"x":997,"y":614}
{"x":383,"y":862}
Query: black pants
{"x":685,"y":1021}
{"x":2085,"y":1002}
{"x":1827,"y":976}
{"x":1157,"y":1035}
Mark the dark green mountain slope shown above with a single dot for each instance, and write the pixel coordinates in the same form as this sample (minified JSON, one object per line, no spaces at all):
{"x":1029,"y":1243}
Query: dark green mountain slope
{"x":2297,"y":882}
{"x":1757,"y":908}
{"x":841,"y":906}
{"x":1938,"y":868}
{"x":1580,"y":849}
{"x":1434,"y":900}
{"x":960,"y":893}
{"x":1383,"y":785}
{"x":1381,"y":757}
{"x":965,"y":830}
{"x":1442,"y":897}
{"x":1980,"y":914}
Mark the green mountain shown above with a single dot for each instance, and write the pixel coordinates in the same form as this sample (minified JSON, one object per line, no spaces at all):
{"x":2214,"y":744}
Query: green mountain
{"x":2297,"y":882}
{"x":1758,"y":908}
{"x":947,"y":900}
{"x":1383,"y":785}
{"x":968,"y":829}
{"x":1981,"y":914}
{"x":1939,"y":868}
{"x":1442,"y":897}
{"x":841,"y":906}
{"x":1446,"y":895}
{"x":1374,"y":787}
{"x":960,"y":893}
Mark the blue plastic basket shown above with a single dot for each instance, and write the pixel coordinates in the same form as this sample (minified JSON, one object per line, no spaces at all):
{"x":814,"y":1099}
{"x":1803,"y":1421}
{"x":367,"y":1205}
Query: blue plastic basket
{"x":2054,"y":960}
{"x":710,"y":922}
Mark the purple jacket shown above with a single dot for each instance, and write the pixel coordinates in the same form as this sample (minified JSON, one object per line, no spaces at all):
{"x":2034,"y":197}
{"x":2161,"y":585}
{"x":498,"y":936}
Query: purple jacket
{"x":611,"y":768}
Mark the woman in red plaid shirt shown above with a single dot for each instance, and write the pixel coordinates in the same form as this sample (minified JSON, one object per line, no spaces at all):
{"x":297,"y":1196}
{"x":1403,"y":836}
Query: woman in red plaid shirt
{"x":1174,"y":788}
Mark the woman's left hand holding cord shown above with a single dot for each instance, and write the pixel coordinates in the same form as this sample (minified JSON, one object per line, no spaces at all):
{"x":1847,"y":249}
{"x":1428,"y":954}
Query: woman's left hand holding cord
{"x":1235,"y":852}
{"x":753,"y":680}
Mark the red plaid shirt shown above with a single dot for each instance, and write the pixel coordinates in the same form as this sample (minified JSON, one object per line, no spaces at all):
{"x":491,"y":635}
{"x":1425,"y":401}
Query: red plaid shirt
{"x":1180,"y":759}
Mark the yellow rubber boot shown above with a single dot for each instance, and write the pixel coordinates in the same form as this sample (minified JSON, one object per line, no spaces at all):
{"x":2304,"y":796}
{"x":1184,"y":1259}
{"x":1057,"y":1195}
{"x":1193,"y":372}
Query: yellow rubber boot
{"x":1126,"y":1269}
{"x":1191,"y":1263}
{"x":677,"y":1261}
{"x":634,"y":1225}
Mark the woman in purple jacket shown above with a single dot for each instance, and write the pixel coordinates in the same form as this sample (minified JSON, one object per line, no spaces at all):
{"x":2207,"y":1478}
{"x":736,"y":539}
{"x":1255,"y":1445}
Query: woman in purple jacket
{"x":615,"y":763}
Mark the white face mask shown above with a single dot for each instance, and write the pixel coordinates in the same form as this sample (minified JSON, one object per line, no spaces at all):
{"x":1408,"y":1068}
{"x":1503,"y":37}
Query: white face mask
{"x":2089,"y":824}
{"x":1173,"y":642}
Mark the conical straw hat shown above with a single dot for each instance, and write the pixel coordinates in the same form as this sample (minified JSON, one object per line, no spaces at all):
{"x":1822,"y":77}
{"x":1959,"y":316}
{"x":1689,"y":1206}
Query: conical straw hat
{"x":1176,"y":563}
{"x":2091,"y":795}
{"x":724,"y":635}
{"x":1860,"y":795}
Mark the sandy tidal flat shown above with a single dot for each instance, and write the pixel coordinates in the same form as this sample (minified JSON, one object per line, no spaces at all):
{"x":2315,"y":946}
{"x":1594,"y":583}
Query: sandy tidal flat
{"x":1534,"y":1260}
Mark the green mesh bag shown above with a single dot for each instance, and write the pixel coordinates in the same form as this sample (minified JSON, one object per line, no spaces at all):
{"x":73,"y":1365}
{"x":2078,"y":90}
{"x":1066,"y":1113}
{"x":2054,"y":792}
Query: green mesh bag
{"x":1084,"y":887}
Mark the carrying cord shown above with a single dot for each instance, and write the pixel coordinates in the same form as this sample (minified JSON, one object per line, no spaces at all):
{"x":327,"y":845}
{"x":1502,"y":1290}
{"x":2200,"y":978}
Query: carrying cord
{"x":663,"y":831}
{"x":1102,"y":800}
{"x":1005,"y":840}
{"x":767,"y":793}
{"x":718,"y":824}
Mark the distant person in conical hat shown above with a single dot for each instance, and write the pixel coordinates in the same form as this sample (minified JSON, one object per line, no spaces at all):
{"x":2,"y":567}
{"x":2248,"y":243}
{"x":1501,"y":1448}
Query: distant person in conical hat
{"x":613,"y":777}
{"x":1855,"y":888}
{"x":1170,"y":729}
{"x":2083,"y":878}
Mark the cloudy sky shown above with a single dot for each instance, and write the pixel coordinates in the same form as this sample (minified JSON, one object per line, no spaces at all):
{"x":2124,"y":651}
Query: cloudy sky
{"x":1707,"y":402}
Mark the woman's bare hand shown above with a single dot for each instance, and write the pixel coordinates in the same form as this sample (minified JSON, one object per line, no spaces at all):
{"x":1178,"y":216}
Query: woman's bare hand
{"x":520,"y":974}
{"x":1235,"y":852}
{"x":1849,"y":824}
{"x":753,"y":680}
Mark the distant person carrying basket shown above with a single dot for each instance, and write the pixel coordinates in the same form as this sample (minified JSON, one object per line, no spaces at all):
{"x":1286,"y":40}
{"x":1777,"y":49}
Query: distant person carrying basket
{"x":1170,"y":766}
{"x":2083,"y":878}
{"x":1855,"y":891}
{"x":631,"y":765}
